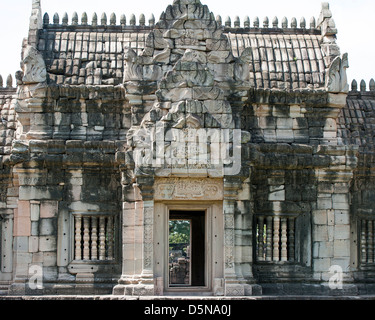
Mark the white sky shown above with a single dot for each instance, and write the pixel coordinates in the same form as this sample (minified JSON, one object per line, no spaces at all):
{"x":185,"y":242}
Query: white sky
{"x":354,"y":21}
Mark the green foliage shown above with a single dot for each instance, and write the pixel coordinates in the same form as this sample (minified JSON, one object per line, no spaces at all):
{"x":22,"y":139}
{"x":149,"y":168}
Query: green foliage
{"x":179,"y":231}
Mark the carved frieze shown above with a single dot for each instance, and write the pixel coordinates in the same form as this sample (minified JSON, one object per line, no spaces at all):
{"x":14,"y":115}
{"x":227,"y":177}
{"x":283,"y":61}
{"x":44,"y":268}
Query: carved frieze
{"x":188,"y":189}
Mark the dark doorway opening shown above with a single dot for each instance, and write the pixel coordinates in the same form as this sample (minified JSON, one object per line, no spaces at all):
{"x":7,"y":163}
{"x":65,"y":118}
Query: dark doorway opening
{"x":187,"y":248}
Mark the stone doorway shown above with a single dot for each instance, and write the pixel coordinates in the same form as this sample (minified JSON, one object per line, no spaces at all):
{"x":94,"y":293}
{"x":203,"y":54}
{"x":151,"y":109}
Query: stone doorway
{"x":187,"y":246}
{"x":200,"y":264}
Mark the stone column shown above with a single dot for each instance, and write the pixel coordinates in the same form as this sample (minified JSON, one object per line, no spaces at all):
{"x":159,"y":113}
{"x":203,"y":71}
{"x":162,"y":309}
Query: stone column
{"x":128,"y":278}
{"x":138,"y":211}
{"x":331,"y":223}
{"x":235,"y":282}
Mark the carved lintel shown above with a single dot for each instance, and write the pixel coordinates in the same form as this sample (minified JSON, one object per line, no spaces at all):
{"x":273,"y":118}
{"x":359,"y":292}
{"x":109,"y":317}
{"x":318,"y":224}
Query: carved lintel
{"x":188,"y":189}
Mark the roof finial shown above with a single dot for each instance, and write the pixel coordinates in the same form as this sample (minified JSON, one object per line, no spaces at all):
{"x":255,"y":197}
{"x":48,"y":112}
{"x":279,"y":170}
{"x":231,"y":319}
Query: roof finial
{"x":293,"y":23}
{"x":312,"y":23}
{"x":266,"y":22}
{"x":10,"y":81}
{"x":151,"y":20}
{"x":123,"y":20}
{"x":112,"y":19}
{"x":94,"y":21}
{"x":75,"y":19}
{"x":65,"y":19}
{"x":237,"y":22}
{"x":303,"y":23}
{"x":275,"y":22}
{"x":103,"y":19}
{"x":246,"y":22}
{"x":84,"y":19}
{"x":142,"y":20}
{"x":284,"y":23}
{"x":132,"y":20}
{"x":363,"y":86}
{"x":354,"y":85}
{"x":372,"y":85}
{"x":325,"y":21}
{"x":56,"y":18}
{"x":46,"y":19}
{"x":256,"y":22}
{"x":228,"y":22}
{"x":219,"y":21}
{"x":1,"y":81}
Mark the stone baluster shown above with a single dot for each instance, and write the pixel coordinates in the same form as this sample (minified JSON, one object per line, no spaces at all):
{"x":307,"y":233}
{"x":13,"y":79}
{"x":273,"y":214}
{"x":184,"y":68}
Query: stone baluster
{"x":276,"y":239}
{"x":94,"y":238}
{"x":78,"y":226}
{"x":370,"y":244}
{"x":261,"y":238}
{"x":269,"y":239}
{"x":284,"y":239}
{"x":110,"y":237}
{"x":363,"y":242}
{"x":102,"y":238}
{"x":86,"y":238}
{"x":291,"y":224}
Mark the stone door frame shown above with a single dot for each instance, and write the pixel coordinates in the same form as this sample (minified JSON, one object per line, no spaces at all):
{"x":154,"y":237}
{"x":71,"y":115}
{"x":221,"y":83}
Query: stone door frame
{"x":214,"y":252}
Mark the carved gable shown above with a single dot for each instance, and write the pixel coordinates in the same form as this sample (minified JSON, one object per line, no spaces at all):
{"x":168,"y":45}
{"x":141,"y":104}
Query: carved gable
{"x":189,"y":67}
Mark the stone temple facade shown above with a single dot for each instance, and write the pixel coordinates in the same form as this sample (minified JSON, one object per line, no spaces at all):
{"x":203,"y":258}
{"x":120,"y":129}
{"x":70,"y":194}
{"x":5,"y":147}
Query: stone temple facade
{"x":250,"y":132}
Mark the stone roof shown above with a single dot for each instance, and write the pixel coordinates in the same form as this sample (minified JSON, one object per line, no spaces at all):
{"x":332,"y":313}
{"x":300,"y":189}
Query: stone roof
{"x":356,"y":122}
{"x":284,"y":56}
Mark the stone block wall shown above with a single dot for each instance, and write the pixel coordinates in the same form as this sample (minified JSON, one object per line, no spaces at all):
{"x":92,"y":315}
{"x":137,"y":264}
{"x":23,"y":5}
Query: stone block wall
{"x":77,"y":211}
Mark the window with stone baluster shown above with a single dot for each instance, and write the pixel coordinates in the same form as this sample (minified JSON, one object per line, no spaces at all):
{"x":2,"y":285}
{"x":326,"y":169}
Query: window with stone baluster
{"x":366,"y":226}
{"x":282,"y":243}
{"x":6,"y":247}
{"x":94,"y":237}
{"x":89,"y":243}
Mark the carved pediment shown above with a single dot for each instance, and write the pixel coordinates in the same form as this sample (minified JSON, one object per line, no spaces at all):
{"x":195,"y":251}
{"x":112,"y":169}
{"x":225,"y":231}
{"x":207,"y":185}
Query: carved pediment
{"x":179,"y":65}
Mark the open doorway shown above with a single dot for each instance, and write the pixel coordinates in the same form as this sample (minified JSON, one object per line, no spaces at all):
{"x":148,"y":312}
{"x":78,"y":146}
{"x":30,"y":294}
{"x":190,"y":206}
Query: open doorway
{"x":187,"y":248}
